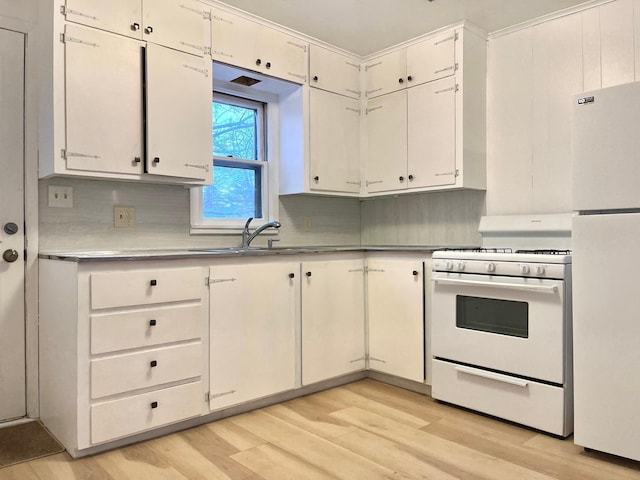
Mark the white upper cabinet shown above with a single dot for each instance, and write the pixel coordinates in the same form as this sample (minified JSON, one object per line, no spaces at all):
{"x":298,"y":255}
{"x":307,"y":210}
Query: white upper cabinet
{"x":243,"y":43}
{"x":431,"y":135}
{"x":178,"y":25}
{"x":334,"y":142}
{"x":419,"y":63}
{"x":386,"y":74}
{"x":334,"y":72}
{"x":119,"y":108}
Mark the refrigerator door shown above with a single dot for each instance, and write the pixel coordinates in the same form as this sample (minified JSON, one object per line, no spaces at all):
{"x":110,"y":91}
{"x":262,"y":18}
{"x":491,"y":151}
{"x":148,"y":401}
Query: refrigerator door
{"x":606,"y":148}
{"x":606,"y":333}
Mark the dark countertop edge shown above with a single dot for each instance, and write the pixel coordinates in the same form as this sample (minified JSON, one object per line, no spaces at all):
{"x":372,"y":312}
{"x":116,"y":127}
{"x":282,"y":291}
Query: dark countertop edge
{"x":177,"y":254}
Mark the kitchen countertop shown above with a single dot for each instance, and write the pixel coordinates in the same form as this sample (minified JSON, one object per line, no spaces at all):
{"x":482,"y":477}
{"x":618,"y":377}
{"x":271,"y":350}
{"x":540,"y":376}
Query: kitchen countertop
{"x":178,"y":253}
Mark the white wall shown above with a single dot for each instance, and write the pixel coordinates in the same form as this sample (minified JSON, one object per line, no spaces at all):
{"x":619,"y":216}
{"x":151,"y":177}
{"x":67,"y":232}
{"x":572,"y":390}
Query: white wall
{"x":532,"y":73}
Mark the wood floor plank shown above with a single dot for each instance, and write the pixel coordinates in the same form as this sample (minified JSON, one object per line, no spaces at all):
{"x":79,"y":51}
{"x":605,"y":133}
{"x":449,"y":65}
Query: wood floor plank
{"x":137,"y":461}
{"x":399,"y":457}
{"x":320,"y":424}
{"x":349,"y":398}
{"x":318,"y":452}
{"x":234,"y":435}
{"x":273,"y":463}
{"x":21,"y":471}
{"x":467,"y":459}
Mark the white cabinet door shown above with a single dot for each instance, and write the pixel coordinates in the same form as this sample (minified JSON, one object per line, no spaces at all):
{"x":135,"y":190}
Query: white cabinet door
{"x":123,"y":17}
{"x":333,"y":341}
{"x":386,"y":74}
{"x":103,"y":101}
{"x":233,"y":39}
{"x":333,"y":72}
{"x":282,"y":55}
{"x":178,"y":114}
{"x":334,"y":142}
{"x":243,"y":43}
{"x":432,"y":59}
{"x":432,"y":134}
{"x":395,"y":292}
{"x":387,"y":143}
{"x":175,"y":24}
{"x":252,"y":331}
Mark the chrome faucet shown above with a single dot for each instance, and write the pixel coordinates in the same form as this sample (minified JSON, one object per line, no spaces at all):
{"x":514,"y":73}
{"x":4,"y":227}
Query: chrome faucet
{"x":248,"y":237}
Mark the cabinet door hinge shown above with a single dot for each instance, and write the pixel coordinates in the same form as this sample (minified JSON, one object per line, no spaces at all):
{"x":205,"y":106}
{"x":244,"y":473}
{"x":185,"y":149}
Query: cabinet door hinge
{"x":367,"y":67}
{"x":354,"y":65}
{"x":211,"y":281}
{"x":66,"y":11}
{"x":374,"y":359}
{"x":357,"y":110}
{"x":297,"y":75}
{"x":357,"y":92}
{"x":368,"y":269}
{"x":210,"y":396}
{"x":358,"y":359}
{"x":66,"y":154}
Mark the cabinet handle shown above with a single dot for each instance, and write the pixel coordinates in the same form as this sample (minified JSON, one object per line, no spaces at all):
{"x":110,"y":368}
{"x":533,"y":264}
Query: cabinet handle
{"x":308,"y":274}
{"x":154,"y":404}
{"x":268,"y":65}
{"x":135,"y":27}
{"x":292,"y":275}
{"x":316,"y":178}
{"x":156,"y":160}
{"x":258,"y":62}
{"x":148,"y":29}
{"x":137,"y":160}
{"x":315,"y":78}
{"x":153,"y":322}
{"x":401,"y":179}
{"x":153,"y":363}
{"x":415,"y":273}
{"x":153,"y":283}
{"x":410,"y":178}
{"x":400,"y":80}
{"x":409,"y":78}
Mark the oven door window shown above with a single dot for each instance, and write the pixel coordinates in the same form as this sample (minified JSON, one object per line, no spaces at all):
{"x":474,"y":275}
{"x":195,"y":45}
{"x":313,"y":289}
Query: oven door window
{"x":502,"y":317}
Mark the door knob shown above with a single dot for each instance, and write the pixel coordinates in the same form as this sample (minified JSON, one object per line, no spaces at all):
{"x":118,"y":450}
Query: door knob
{"x":10,"y":228}
{"x":10,"y":255}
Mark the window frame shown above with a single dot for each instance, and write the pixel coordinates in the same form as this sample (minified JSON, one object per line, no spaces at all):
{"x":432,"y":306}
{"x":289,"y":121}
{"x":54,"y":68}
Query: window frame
{"x":267,"y":115}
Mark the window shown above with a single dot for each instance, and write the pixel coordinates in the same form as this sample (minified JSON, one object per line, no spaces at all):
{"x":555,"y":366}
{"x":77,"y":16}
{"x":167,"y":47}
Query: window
{"x":240,"y":169}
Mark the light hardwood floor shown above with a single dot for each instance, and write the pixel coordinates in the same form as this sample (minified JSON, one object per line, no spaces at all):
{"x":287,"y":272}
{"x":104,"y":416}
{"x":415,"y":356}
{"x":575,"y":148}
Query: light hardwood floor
{"x":365,"y":430}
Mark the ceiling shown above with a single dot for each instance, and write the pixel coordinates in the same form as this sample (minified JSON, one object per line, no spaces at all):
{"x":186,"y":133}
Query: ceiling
{"x":367,"y":26}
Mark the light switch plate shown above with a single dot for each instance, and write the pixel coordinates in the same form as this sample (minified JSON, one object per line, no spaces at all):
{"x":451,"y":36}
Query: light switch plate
{"x":124,"y":216}
{"x":60,"y":197}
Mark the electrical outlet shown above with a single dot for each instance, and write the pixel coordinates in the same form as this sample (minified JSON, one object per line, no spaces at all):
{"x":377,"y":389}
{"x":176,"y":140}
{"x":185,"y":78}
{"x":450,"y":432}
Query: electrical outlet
{"x":124,"y":216}
{"x":307,"y":224}
{"x":60,"y":197}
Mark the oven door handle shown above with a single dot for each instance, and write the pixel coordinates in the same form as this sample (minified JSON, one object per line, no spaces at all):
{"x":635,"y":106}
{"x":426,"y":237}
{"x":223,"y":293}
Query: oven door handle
{"x":493,"y":376}
{"x":513,"y":286}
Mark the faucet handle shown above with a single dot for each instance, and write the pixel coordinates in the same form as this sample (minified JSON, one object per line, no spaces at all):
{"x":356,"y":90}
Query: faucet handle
{"x":246,"y":225}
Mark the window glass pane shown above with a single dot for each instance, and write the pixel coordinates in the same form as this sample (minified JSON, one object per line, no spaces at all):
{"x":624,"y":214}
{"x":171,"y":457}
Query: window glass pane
{"x":233,"y":194}
{"x":504,"y":317}
{"x":235,"y":131}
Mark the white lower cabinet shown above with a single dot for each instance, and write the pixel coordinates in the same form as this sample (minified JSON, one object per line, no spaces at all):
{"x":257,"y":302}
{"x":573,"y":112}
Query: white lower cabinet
{"x":121,"y":348}
{"x":333,"y":320}
{"x":253,"y":329}
{"x":395,"y":290}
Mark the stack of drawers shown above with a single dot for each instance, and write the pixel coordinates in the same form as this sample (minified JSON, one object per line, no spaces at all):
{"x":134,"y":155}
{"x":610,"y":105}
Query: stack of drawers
{"x":146,"y":352}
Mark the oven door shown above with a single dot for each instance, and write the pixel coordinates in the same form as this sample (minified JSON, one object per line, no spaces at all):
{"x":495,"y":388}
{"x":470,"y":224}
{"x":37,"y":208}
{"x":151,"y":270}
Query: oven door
{"x":509,"y":324}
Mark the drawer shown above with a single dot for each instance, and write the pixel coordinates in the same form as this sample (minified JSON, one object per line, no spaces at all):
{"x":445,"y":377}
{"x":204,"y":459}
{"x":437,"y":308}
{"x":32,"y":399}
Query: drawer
{"x":534,"y":404}
{"x":142,"y":328}
{"x":143,"y":287}
{"x":120,"y":418}
{"x":145,"y":369}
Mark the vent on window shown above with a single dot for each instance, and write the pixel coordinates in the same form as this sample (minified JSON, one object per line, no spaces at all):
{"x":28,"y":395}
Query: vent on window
{"x":246,"y":81}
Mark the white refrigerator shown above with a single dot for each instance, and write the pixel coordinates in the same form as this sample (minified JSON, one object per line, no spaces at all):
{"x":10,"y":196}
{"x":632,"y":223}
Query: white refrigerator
{"x":606,"y":268}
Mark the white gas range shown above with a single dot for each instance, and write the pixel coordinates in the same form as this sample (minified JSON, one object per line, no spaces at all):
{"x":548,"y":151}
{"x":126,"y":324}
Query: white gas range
{"x":501,"y":334}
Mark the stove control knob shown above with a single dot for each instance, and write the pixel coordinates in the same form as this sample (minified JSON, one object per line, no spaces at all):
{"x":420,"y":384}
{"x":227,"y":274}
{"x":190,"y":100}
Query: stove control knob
{"x":540,"y":270}
{"x":491,"y":267}
{"x":524,"y":269}
{"x":460,"y":266}
{"x":449,"y":265}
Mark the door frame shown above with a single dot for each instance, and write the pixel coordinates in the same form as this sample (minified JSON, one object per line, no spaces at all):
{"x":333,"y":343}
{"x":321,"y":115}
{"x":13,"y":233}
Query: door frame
{"x":23,"y":19}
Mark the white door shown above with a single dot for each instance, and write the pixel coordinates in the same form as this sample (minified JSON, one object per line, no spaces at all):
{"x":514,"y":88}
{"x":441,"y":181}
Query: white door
{"x":12,"y":347}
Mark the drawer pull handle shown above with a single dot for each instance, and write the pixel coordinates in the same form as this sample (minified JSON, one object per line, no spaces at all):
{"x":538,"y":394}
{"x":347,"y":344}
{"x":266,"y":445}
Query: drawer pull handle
{"x":154,"y":404}
{"x":153,"y":363}
{"x":308,"y":274}
{"x":153,"y":283}
{"x":153,"y":322}
{"x":292,"y":275}
{"x":415,"y":273}
{"x":493,"y":376}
